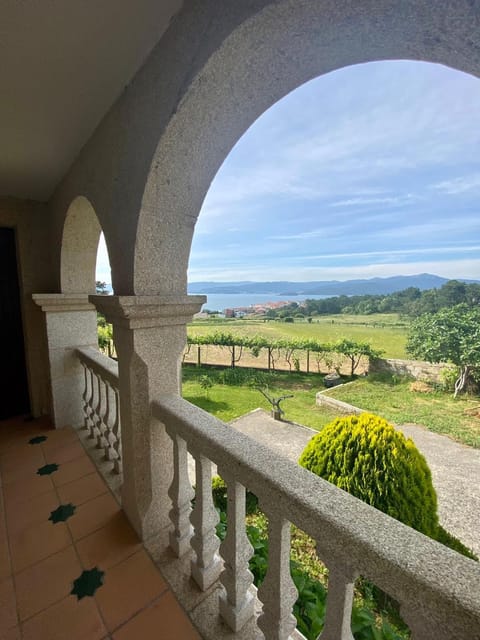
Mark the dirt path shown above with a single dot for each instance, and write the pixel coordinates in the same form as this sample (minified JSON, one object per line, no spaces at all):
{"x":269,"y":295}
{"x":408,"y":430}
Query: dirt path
{"x":456,"y":477}
{"x":455,"y":468}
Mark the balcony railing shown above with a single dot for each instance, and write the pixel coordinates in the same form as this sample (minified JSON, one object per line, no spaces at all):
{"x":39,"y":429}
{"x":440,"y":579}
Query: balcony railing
{"x":438,"y":590}
{"x":101,"y":404}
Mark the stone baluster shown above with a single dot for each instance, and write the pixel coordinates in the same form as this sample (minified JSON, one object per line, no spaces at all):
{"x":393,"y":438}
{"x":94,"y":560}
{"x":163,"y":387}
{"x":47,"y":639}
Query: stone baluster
{"x":338,"y":618}
{"x":107,"y":419}
{"x":91,"y":407}
{"x":116,"y":431}
{"x":206,"y":566}
{"x":99,"y":427}
{"x":237,"y":603}
{"x":181,"y":494}
{"x":105,"y":416}
{"x":85,"y":397}
{"x":277,"y":592}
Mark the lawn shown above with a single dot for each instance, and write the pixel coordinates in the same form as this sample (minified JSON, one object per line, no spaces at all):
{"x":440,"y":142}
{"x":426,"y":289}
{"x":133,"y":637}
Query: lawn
{"x":226,"y":401}
{"x":383,"y":331}
{"x":436,"y":410}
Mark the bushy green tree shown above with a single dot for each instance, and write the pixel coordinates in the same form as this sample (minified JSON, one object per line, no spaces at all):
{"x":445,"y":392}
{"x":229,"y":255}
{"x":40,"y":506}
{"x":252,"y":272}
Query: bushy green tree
{"x":104,"y":334}
{"x":450,"y":335}
{"x":101,"y":287}
{"x":367,"y":457}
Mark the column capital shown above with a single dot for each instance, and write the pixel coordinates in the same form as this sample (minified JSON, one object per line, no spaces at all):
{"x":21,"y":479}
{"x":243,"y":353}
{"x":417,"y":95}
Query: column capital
{"x":146,"y":312}
{"x":62,"y":302}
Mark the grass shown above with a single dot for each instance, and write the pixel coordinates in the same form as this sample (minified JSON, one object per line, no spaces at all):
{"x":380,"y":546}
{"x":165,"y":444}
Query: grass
{"x":227,"y":402}
{"x":437,"y":410}
{"x":383,"y":331}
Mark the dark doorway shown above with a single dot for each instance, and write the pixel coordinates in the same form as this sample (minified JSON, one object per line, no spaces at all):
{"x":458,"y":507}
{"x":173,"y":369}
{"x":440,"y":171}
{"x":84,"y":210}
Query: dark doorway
{"x":14,"y":398}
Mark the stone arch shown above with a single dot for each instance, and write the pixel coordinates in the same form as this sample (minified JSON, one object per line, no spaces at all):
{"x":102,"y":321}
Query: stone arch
{"x":252,"y":64}
{"x":81,"y":234}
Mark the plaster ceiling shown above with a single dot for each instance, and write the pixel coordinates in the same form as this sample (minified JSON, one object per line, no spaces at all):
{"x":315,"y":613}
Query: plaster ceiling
{"x":62,"y":65}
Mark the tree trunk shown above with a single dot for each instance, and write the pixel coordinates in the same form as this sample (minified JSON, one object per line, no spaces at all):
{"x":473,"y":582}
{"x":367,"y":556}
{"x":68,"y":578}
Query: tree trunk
{"x":461,"y":380}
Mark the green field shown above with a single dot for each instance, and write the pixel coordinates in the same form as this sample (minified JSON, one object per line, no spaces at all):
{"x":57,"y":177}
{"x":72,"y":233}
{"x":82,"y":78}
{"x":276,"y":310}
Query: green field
{"x":382,"y":331}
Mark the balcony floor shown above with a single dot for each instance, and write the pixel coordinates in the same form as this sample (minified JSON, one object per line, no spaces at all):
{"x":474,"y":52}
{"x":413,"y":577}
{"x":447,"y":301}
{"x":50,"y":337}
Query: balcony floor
{"x":40,"y":559}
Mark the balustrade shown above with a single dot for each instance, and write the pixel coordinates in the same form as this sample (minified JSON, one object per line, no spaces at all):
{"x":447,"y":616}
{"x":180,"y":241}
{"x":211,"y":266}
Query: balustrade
{"x":101,"y":404}
{"x":437,"y":589}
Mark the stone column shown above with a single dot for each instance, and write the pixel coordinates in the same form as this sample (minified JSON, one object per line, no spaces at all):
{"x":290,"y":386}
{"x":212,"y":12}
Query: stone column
{"x":71,"y":322}
{"x":150,"y":335}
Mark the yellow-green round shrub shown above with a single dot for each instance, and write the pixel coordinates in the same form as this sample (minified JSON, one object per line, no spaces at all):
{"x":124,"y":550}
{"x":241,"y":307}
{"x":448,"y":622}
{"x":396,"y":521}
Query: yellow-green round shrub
{"x":367,"y":457}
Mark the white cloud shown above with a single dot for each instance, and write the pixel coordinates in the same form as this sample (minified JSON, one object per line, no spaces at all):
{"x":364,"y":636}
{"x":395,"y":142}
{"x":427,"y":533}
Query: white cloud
{"x":420,"y":251}
{"x":333,"y":231}
{"x":469,"y":269}
{"x":459,"y":185}
{"x":398,"y":200}
{"x":430,"y":231}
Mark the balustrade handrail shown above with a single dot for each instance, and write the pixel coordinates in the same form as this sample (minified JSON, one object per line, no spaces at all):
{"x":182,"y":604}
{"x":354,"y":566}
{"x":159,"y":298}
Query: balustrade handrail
{"x":431,"y":582}
{"x":106,"y":367}
{"x":101,"y":404}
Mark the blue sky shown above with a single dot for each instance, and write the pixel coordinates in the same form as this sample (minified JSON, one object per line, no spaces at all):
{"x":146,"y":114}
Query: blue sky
{"x":372,"y":170}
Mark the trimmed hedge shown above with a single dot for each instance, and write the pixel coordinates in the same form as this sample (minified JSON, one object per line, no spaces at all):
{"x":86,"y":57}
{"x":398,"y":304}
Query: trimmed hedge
{"x":369,"y":458}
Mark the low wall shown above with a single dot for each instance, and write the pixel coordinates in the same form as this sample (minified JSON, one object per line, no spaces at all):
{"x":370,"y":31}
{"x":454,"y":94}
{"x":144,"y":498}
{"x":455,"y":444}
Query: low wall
{"x":342,"y":408}
{"x":414,"y":368}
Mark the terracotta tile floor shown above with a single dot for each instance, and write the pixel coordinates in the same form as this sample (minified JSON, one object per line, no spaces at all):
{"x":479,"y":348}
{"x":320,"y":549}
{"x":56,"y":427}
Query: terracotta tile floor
{"x":40,"y":559}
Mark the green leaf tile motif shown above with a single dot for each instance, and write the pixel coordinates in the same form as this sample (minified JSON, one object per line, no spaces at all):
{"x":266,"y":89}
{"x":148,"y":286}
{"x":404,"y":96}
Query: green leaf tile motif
{"x":87,"y":583}
{"x":47,"y":469}
{"x":62,"y":513}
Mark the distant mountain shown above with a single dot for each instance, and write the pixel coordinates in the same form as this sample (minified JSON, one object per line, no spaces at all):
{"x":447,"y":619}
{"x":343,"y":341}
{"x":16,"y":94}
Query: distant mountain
{"x":372,"y":286}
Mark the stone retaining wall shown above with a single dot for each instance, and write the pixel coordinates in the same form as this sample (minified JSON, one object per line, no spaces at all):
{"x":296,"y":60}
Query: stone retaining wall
{"x":414,"y":368}
{"x":342,"y":407}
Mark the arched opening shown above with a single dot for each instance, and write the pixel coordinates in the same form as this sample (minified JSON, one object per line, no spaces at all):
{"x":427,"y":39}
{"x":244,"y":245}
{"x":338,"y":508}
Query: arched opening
{"x":428,"y":206}
{"x":81,"y":235}
{"x":261,"y":60}
{"x":388,"y":148}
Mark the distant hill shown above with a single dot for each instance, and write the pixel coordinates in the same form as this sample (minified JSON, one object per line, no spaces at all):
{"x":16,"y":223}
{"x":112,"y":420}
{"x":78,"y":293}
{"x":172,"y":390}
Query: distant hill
{"x":372,"y":286}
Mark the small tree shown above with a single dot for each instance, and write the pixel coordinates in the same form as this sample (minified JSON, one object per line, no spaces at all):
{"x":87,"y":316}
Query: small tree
{"x":277,"y":411}
{"x":206,"y":383}
{"x":450,"y":335}
{"x":101,"y":287}
{"x":354,"y":351}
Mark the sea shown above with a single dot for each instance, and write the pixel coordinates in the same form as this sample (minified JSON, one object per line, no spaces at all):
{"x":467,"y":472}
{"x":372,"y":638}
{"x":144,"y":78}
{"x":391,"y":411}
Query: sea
{"x":221,"y":301}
